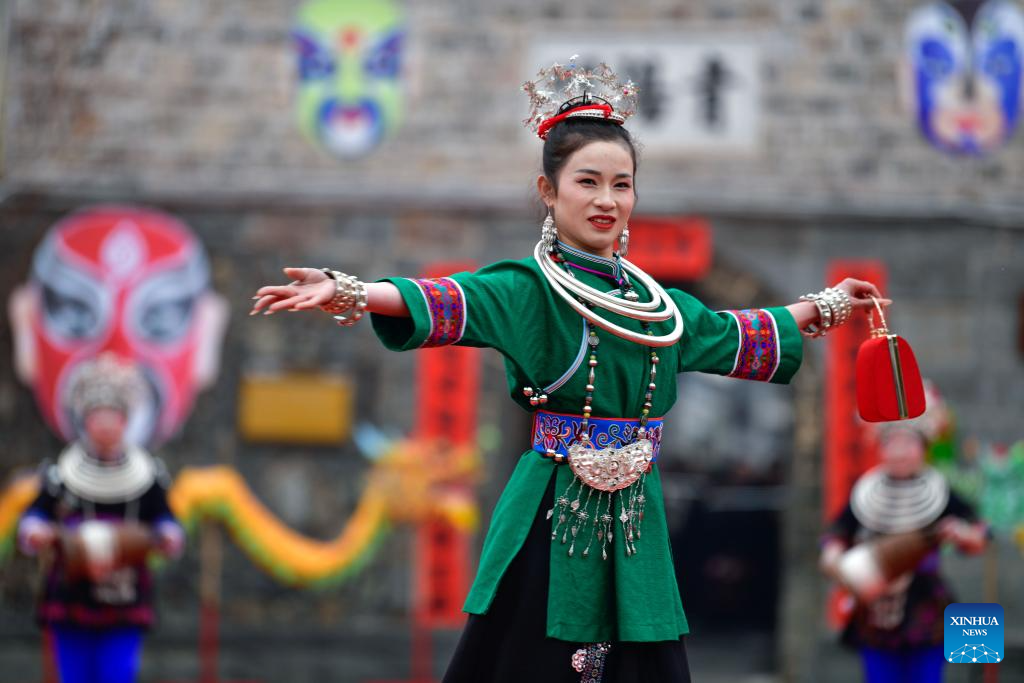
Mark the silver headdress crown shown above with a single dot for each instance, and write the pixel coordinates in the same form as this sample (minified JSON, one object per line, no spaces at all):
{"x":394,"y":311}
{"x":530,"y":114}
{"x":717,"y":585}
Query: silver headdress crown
{"x":565,"y":91}
{"x":106,"y":382}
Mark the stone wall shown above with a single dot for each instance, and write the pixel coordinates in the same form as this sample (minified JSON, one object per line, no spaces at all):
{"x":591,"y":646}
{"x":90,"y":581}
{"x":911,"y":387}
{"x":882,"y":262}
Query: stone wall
{"x":188,"y":99}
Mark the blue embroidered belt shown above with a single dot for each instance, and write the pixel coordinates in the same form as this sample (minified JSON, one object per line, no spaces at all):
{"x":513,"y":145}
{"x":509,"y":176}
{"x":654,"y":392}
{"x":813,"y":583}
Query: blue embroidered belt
{"x":553,"y":433}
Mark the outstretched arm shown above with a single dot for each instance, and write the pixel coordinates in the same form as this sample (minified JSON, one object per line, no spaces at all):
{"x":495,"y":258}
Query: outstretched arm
{"x":311,"y":288}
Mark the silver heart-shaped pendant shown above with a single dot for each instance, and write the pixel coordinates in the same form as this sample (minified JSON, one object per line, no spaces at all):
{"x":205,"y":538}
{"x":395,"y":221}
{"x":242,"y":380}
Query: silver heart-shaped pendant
{"x":610,"y":469}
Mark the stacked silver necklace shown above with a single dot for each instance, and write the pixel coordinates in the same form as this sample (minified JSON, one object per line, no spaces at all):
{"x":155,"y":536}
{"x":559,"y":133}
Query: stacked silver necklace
{"x":892,"y":506}
{"x":116,"y":482}
{"x":583,"y":298}
{"x":608,"y":470}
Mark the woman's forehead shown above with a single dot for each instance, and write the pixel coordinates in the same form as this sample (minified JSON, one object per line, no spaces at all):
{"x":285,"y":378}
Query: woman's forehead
{"x":899,"y":438}
{"x":602,"y":155}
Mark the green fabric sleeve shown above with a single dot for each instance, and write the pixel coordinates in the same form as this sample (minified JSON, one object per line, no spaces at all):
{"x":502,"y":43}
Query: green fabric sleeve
{"x":758,"y":344}
{"x":403,"y":334}
{"x":492,"y":307}
{"x":791,"y":345}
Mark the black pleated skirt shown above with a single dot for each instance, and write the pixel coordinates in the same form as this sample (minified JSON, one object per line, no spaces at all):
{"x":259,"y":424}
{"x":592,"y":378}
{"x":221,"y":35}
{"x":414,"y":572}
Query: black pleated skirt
{"x":508,"y":644}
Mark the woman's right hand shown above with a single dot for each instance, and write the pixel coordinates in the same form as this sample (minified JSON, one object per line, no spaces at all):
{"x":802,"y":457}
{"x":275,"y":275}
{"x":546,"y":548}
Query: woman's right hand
{"x":37,"y":535}
{"x":831,"y":553}
{"x":309,"y":288}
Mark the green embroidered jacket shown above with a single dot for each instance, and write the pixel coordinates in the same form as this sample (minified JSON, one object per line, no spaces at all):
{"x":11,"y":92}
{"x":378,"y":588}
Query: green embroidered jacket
{"x":508,"y":306}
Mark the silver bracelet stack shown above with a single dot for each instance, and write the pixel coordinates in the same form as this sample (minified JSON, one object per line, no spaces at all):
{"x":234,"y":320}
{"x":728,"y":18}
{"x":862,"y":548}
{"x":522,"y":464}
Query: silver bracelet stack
{"x":349,"y":302}
{"x":834,"y":309}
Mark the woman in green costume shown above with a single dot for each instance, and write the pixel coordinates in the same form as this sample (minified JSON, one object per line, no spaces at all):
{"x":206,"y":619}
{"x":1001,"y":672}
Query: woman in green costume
{"x":576,"y":581}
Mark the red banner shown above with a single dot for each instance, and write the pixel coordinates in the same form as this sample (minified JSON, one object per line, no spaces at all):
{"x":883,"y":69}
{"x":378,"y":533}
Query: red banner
{"x":848,"y":453}
{"x":671,"y":249}
{"x":447,"y":393}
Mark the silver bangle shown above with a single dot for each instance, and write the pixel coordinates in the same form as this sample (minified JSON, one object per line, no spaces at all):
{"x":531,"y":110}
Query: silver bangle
{"x":840,"y":302}
{"x":834,"y":309}
{"x":824,"y":312}
{"x":358,"y":309}
{"x":824,"y":317}
{"x":349,"y":302}
{"x":343,"y":299}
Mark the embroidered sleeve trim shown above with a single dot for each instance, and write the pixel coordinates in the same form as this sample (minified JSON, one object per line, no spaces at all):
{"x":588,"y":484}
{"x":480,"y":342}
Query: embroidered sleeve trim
{"x":446,"y":306}
{"x":759,"y":354}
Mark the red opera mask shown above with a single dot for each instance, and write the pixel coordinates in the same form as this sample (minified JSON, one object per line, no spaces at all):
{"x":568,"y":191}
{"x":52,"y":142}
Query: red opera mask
{"x":126,"y":280}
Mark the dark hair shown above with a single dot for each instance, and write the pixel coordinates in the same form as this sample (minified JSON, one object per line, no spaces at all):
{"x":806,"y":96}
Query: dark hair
{"x":573,"y":134}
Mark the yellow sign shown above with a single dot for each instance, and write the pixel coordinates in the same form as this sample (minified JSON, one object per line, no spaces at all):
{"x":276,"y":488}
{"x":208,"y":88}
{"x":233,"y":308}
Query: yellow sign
{"x":295,"y":408}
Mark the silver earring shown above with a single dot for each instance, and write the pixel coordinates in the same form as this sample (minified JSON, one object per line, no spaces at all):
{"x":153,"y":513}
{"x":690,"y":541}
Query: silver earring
{"x":624,"y":241}
{"x":548,"y":231}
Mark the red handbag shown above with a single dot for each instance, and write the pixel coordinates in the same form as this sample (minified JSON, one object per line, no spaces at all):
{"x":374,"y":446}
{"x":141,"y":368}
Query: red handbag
{"x":889,"y":385}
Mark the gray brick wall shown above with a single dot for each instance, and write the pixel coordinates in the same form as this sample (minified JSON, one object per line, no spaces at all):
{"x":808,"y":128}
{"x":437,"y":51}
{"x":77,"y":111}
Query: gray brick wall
{"x":194,"y":99}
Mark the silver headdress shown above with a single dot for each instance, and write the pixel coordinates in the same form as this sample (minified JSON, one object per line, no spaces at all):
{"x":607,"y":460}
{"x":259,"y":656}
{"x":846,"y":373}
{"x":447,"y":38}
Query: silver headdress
{"x":561,"y":92}
{"x":106,"y":382}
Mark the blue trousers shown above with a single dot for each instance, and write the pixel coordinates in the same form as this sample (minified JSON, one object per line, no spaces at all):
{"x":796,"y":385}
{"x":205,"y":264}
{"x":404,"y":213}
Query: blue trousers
{"x":99,"y":655}
{"x":920,"y":665}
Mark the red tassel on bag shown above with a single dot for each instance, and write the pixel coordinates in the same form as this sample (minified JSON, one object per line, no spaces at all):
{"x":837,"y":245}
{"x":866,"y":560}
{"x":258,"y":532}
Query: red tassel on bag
{"x":889,"y":385}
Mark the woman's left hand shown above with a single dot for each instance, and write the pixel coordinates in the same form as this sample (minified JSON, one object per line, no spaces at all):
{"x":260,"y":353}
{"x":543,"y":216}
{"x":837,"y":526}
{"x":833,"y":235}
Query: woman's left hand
{"x":969,"y":538}
{"x":169,"y":539}
{"x":860,"y":293}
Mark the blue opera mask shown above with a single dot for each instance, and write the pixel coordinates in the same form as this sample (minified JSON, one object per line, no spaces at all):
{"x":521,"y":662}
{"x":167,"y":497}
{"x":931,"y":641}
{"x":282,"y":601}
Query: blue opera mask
{"x":964,"y":83}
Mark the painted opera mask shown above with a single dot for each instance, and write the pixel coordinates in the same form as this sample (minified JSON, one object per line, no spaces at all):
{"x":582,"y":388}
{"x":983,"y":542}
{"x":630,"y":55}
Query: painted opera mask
{"x":129,"y":281}
{"x":963,"y":73}
{"x":349,"y":59}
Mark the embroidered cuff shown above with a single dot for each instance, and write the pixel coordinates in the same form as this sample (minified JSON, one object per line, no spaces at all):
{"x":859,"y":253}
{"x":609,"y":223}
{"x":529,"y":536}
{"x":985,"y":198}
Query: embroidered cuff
{"x":758,"y":355}
{"x":446,"y":306}
{"x":437,"y":314}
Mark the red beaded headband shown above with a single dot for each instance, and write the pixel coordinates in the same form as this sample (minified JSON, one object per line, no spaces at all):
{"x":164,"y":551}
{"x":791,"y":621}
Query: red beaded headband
{"x":596,"y":111}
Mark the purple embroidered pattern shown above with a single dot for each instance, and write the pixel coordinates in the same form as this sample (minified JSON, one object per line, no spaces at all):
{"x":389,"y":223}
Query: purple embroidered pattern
{"x":758,"y":355}
{"x":447,"y":308}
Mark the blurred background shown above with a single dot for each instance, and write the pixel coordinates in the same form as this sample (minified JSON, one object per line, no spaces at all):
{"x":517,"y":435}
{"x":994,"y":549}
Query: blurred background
{"x":785,"y":144}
